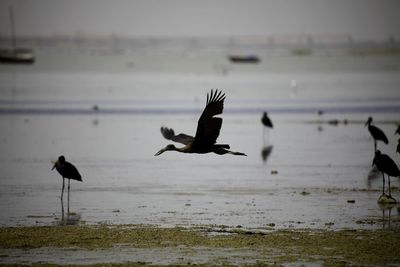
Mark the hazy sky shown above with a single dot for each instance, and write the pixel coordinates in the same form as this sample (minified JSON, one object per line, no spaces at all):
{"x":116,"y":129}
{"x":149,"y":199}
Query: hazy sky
{"x":366,"y":19}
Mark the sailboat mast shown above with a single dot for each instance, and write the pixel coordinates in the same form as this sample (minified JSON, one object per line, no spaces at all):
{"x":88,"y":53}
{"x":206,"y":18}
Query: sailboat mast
{"x":13,"y":42}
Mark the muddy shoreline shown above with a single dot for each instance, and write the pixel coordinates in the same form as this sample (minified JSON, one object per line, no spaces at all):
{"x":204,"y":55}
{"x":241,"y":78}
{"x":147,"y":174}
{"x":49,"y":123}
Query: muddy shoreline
{"x":205,"y":245}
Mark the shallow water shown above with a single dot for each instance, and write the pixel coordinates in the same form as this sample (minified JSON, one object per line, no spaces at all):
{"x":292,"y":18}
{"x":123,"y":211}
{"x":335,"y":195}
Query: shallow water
{"x":105,"y":116}
{"x":319,"y":168}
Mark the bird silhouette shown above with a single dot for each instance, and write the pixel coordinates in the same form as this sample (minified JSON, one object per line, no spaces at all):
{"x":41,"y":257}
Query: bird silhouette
{"x":376,"y":133}
{"x":208,"y":129}
{"x":67,"y":171}
{"x":385,"y":165}
{"x":266,"y":121}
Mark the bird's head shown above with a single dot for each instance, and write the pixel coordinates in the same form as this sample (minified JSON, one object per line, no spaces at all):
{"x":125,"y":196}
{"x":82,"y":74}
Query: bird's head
{"x":59,"y":162}
{"x":368,"y":121}
{"x":167,"y":148}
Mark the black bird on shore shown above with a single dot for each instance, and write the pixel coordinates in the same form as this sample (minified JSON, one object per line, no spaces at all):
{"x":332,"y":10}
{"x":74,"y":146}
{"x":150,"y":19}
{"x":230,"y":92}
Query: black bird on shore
{"x":376,"y":133}
{"x":208,"y":128}
{"x":67,"y":171}
{"x":386,"y":165}
{"x":266,"y":121}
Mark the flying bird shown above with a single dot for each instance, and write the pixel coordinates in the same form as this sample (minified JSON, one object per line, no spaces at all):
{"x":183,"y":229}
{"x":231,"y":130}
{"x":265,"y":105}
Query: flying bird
{"x":385,"y":165}
{"x":376,"y":133}
{"x":208,"y":128}
{"x":67,"y":171}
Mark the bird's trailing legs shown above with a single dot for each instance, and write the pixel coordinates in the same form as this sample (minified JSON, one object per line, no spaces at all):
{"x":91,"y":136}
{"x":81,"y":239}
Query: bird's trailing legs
{"x":265,"y":132}
{"x":222,"y":151}
{"x":383,"y":187}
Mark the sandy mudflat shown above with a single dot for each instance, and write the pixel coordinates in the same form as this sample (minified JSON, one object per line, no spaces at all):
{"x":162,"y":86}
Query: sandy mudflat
{"x":206,"y":245}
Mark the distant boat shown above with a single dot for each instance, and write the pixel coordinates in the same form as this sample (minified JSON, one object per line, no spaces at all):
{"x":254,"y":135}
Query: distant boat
{"x":15,"y":55}
{"x":244,"y":59}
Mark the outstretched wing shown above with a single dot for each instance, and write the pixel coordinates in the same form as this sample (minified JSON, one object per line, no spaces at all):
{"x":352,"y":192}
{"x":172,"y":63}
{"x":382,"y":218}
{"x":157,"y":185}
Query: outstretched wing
{"x":169,"y":134}
{"x":208,"y":126}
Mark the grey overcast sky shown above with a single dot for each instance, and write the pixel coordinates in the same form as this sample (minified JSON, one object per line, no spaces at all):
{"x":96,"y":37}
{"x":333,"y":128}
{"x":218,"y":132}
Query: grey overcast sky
{"x":362,"y":19}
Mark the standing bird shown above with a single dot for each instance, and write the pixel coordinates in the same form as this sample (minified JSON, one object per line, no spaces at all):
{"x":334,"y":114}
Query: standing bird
{"x":376,"y":133}
{"x":266,"y":121}
{"x":208,"y":128}
{"x":386,"y":165}
{"x":69,"y":171}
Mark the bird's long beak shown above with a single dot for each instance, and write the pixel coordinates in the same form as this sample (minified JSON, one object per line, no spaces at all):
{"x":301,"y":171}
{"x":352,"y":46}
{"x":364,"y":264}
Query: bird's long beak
{"x":160,"y":152}
{"x":365,"y":125}
{"x":54,"y":164}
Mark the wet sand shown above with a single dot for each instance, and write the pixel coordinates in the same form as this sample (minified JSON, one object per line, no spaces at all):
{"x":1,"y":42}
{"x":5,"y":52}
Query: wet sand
{"x":140,"y":245}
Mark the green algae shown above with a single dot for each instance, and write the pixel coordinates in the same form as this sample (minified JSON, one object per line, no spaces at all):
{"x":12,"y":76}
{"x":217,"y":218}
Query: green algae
{"x":344,"y":247}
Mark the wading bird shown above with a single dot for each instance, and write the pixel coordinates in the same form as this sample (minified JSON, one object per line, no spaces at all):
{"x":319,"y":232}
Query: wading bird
{"x":386,"y":165}
{"x":376,"y":133}
{"x":68,"y":171}
{"x":208,"y":128}
{"x":266,"y":121}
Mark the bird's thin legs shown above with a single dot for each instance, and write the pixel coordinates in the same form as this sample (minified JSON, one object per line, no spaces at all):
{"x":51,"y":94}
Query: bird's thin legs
{"x":62,"y":202}
{"x":69,"y":180}
{"x":237,"y":153}
{"x":383,"y":187}
{"x":390,"y":194}
{"x":265,"y":133}
{"x":263,"y":136}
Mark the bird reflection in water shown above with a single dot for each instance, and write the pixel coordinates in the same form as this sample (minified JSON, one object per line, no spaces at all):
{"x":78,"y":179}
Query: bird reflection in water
{"x":266,"y":152}
{"x":386,"y":213}
{"x":71,"y":218}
